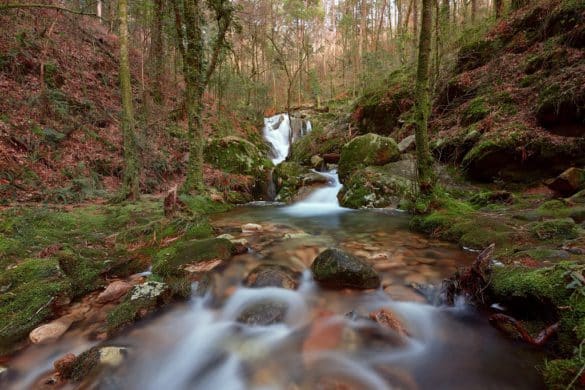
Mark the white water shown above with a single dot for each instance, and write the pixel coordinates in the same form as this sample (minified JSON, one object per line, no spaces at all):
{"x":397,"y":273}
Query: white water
{"x":322,"y":201}
{"x":277,"y":132}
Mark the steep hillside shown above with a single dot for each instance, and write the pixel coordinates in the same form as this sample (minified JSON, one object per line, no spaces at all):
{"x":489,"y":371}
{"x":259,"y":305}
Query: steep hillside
{"x":513,"y":105}
{"x":59,"y":130}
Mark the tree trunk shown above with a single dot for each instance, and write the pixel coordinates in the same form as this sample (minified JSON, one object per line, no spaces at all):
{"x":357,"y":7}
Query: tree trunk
{"x":156,"y":52}
{"x":130,"y":185}
{"x":473,"y":10}
{"x":423,"y":102}
{"x":195,"y":87}
{"x":499,"y":8}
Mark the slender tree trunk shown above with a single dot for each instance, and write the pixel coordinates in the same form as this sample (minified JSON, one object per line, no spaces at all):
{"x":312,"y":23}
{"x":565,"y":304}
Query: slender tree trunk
{"x":473,"y":10}
{"x":130,"y":186}
{"x":423,"y":102}
{"x":156,"y":52}
{"x":499,"y":8}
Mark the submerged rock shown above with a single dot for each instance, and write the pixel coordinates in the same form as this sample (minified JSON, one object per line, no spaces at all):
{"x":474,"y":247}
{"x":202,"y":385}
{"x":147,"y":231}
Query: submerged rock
{"x":335,"y":268}
{"x":272,"y":275}
{"x":251,"y":228}
{"x":366,"y":150}
{"x":388,"y":320}
{"x":264,"y":313}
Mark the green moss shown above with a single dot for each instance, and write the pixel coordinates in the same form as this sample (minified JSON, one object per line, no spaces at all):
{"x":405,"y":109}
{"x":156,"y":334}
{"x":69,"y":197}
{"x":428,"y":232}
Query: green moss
{"x":476,"y":54}
{"x":204,"y":205}
{"x":28,"y":291}
{"x":367,"y":150}
{"x":288,"y":178}
{"x":235,"y":155}
{"x":83,"y":272}
{"x":475,"y":111}
{"x":168,"y":261}
{"x":559,"y":373}
{"x":555,"y":229}
{"x":317,"y":142}
{"x":378,"y":187}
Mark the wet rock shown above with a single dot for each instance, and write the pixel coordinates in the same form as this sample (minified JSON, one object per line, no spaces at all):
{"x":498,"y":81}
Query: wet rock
{"x":64,"y":366}
{"x":335,"y":268}
{"x":112,"y":356}
{"x":569,"y":182}
{"x":263,"y":313}
{"x":91,"y":361}
{"x":272,"y":275}
{"x":149,"y":290}
{"x":407,"y":144}
{"x":366,"y":150}
{"x":50,"y":332}
{"x":114,"y":291}
{"x":251,"y":228}
{"x":388,"y":320}
{"x":4,"y":373}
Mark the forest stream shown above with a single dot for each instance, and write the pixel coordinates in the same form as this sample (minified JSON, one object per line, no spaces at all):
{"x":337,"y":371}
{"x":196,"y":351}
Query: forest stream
{"x":324,"y":338}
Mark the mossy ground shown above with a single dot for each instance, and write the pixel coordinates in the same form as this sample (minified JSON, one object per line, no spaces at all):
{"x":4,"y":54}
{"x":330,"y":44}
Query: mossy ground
{"x":51,"y":255}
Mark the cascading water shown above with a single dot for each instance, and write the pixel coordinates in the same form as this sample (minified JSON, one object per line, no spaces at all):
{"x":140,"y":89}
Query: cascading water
{"x":321,"y":201}
{"x":280,"y":131}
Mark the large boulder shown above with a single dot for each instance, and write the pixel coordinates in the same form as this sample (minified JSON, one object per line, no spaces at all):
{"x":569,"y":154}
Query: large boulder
{"x":335,"y":268}
{"x":379,"y":187}
{"x":272,"y":275}
{"x":264,"y":313}
{"x":569,"y":182}
{"x":235,"y":155}
{"x":366,"y":150}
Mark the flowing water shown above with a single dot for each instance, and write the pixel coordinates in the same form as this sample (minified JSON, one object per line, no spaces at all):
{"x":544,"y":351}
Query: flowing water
{"x":326,"y":340}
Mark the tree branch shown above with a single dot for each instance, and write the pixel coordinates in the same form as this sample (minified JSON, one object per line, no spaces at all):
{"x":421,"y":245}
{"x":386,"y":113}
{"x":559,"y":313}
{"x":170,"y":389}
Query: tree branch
{"x":224,"y":15}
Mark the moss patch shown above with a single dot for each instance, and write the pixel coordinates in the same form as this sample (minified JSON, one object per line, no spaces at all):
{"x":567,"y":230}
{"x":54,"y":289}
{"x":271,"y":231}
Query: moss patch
{"x":367,"y":150}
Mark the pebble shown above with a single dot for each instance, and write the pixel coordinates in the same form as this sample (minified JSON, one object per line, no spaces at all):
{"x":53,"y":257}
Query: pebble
{"x":251,"y":228}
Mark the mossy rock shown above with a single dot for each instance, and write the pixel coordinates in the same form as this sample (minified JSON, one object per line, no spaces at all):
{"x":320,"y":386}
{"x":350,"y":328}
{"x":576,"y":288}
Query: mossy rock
{"x":272,"y":275}
{"x":378,"y":187}
{"x":316,"y":143}
{"x":289,"y":178}
{"x":29,"y":295}
{"x":235,"y":155}
{"x":335,"y":268}
{"x":140,"y":301}
{"x":168,"y":261}
{"x":555,"y":229}
{"x":84,"y":273}
{"x":366,"y":150}
{"x":264,"y":313}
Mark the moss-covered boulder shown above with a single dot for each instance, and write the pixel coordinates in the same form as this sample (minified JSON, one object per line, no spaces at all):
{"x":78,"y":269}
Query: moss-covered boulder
{"x":140,"y":301}
{"x":377,"y":187}
{"x":334,"y":268}
{"x":366,"y":150}
{"x":235,"y":155}
{"x":169,"y":261}
{"x":517,"y":154}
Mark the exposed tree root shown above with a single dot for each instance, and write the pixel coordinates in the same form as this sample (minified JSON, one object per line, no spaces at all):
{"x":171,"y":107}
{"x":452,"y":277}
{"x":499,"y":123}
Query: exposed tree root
{"x":502,"y":323}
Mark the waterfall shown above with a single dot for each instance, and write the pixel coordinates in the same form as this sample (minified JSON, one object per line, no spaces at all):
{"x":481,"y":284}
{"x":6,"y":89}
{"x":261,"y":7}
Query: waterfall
{"x":280,"y":131}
